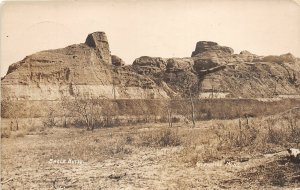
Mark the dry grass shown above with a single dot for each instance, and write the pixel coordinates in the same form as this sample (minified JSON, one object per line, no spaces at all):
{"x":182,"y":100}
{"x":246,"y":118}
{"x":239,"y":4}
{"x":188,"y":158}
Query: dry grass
{"x":235,"y":138}
{"x":20,"y":128}
{"x":91,"y":146}
{"x":278,"y":173}
{"x":194,"y":155}
{"x":19,"y":134}
{"x":160,"y":138}
{"x":259,"y":134}
{"x":154,"y":148}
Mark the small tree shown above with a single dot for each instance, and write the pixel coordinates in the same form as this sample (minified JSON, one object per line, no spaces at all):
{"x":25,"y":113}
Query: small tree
{"x":87,"y":109}
{"x":193,"y":108}
{"x":49,"y":121}
{"x":10,"y":110}
{"x":170,"y":120}
{"x":83,"y":107}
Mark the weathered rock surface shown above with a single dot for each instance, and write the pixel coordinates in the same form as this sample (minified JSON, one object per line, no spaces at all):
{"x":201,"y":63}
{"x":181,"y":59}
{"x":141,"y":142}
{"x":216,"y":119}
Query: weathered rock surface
{"x":84,"y":70}
{"x":284,"y":58}
{"x":89,"y":70}
{"x":204,"y":46}
{"x":149,"y":65}
{"x":98,"y":40}
{"x":179,"y":64}
{"x":117,"y":61}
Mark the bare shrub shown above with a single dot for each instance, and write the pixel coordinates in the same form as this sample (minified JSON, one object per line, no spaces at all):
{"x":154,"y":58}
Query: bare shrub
{"x":204,"y":154}
{"x":294,"y":129}
{"x":237,"y":136}
{"x":5,"y":132}
{"x":168,"y":138}
{"x":27,"y":126}
{"x":274,"y":136}
{"x":161,"y":138}
{"x":163,"y":119}
{"x":278,"y":179}
{"x":210,"y":154}
{"x":176,"y":119}
{"x":233,"y":138}
{"x":260,"y":134}
{"x":32,"y":128}
{"x":107,"y":121}
{"x":49,"y":121}
{"x":283,"y":130}
{"x":20,"y":133}
{"x":119,"y":147}
{"x":85,"y":109}
{"x":78,"y":123}
{"x":129,"y":139}
{"x":190,"y":156}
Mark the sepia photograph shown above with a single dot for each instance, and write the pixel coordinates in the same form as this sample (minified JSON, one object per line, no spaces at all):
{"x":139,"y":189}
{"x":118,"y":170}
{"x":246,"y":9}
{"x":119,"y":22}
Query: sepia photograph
{"x":150,"y":94}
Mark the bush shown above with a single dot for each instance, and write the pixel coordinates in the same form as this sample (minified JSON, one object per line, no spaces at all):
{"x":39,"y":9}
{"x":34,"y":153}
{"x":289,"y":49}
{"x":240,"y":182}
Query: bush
{"x":163,"y":119}
{"x":78,"y":123}
{"x":49,"y":122}
{"x":119,"y":147}
{"x":283,"y":130}
{"x":161,"y":138}
{"x":116,"y":146}
{"x":206,"y":154}
{"x":274,"y":136}
{"x":5,"y":133}
{"x":237,"y":136}
{"x":175,"y":119}
{"x":190,"y":156}
{"x":19,"y":134}
{"x":259,"y":135}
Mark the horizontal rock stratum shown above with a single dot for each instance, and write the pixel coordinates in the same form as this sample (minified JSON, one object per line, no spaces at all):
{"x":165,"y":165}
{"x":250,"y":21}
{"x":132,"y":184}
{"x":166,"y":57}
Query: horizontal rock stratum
{"x":88,"y":70}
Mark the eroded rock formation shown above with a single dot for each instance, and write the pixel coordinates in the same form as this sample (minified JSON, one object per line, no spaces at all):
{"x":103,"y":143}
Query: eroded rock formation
{"x":98,"y":40}
{"x":117,"y":61}
{"x":88,"y":70}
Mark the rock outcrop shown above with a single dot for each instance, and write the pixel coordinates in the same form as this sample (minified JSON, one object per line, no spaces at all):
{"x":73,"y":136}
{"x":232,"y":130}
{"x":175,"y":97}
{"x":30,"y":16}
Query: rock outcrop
{"x":117,"y":61}
{"x":89,"y":70}
{"x":204,"y":46}
{"x":149,"y":65}
{"x":83,"y":70}
{"x":98,"y":40}
{"x":179,"y":64}
{"x":284,"y":58}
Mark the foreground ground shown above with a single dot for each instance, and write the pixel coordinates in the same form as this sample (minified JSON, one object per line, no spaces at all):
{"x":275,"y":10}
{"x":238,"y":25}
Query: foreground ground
{"x":145,"y":156}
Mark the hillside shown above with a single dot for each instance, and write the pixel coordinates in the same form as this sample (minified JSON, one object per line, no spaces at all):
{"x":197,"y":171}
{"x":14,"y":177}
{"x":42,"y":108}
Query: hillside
{"x":86,"y":70}
{"x":89,"y":70}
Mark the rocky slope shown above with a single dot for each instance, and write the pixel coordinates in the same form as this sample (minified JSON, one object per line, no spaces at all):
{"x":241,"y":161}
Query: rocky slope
{"x":85,"y":70}
{"x":88,"y":70}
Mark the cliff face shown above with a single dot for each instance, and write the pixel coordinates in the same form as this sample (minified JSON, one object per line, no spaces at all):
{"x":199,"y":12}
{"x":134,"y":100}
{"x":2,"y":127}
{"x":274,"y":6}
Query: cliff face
{"x":88,"y":70}
{"x":214,"y":71}
{"x":85,"y":70}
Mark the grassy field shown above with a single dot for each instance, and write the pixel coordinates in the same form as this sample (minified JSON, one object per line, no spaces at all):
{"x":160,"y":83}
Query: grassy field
{"x":216,"y":154}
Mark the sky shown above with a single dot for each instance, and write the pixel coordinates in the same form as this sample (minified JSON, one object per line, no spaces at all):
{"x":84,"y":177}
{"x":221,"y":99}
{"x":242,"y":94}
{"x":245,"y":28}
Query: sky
{"x":162,"y":28}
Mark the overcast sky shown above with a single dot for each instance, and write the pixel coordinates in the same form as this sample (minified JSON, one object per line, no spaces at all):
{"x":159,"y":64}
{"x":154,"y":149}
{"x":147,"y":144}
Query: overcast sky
{"x":165,"y":28}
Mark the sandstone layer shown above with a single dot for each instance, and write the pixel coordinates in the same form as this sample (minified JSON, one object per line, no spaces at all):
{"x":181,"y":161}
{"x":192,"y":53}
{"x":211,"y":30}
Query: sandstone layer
{"x":84,"y":70}
{"x":88,"y":70}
